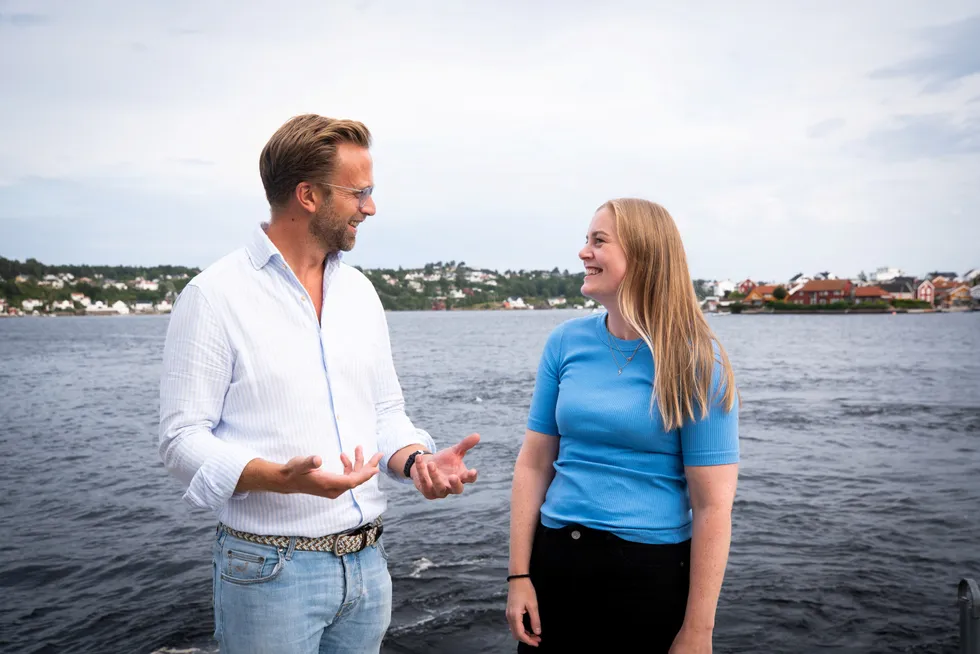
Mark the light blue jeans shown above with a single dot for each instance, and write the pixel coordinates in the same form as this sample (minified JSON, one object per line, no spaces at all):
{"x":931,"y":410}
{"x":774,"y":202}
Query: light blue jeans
{"x":268,"y":600}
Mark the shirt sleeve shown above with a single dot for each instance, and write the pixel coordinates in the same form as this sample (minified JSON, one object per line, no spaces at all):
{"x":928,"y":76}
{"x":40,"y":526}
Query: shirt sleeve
{"x":395,"y":429}
{"x":197,"y":370}
{"x":712,"y":440}
{"x":541,"y":417}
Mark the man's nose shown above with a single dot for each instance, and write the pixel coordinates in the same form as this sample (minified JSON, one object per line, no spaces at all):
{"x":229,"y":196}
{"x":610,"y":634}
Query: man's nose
{"x":369,"y":207}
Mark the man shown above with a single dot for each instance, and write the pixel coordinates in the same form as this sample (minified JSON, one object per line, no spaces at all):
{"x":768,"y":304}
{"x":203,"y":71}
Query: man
{"x":277,"y":364}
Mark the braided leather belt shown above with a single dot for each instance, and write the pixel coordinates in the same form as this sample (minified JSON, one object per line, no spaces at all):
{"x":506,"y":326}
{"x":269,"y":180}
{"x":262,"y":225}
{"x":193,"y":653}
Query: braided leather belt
{"x":339,"y":544}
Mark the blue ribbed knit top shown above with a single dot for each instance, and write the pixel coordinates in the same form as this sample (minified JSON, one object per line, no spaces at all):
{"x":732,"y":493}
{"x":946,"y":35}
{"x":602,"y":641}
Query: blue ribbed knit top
{"x":617,"y":468}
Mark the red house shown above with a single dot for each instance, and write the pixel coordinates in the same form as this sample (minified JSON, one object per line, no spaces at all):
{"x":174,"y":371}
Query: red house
{"x":870,"y":294}
{"x":926,"y":292}
{"x":823,"y":291}
{"x":746,"y":287}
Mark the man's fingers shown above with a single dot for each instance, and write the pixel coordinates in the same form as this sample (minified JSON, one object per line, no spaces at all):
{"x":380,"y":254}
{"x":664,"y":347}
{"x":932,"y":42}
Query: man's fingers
{"x":425,"y":481}
{"x":347,"y":465}
{"x":466,"y":444}
{"x":455,"y":485}
{"x":363,"y":475}
{"x":358,"y":457}
{"x":375,"y":460}
{"x":468,"y":477}
{"x":438,"y":481}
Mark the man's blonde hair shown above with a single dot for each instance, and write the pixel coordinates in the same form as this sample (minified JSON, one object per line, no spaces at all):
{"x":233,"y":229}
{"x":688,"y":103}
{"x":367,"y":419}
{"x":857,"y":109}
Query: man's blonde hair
{"x":304,"y":149}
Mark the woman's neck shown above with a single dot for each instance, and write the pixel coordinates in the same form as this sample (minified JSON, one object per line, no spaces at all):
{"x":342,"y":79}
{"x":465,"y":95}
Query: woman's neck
{"x":618,"y":326}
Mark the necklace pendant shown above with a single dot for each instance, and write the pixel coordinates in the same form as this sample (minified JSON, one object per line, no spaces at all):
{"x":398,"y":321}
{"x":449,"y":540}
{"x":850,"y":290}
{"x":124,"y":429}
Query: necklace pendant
{"x":620,"y":371}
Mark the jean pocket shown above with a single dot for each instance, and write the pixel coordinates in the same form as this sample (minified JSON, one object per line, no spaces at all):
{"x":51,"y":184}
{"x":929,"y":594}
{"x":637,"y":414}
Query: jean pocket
{"x":245,"y":563}
{"x":381,"y":548}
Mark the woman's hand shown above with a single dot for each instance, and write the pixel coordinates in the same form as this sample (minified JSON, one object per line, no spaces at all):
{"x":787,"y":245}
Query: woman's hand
{"x":692,"y":641}
{"x":522,"y":599}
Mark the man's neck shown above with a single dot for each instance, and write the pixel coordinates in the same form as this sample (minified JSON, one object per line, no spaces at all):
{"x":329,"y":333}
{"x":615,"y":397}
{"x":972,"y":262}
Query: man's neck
{"x":292,"y":238}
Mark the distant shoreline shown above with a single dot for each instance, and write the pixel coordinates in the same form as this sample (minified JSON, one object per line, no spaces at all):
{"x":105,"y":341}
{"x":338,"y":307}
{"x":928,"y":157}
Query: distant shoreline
{"x":815,"y":312}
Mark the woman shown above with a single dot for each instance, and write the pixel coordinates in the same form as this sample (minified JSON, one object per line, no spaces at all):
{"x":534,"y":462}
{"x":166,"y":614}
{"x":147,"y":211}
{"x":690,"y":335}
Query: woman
{"x":623,"y":489}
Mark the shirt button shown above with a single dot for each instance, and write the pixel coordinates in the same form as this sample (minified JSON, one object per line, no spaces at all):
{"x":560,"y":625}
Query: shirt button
{"x":576,"y":535}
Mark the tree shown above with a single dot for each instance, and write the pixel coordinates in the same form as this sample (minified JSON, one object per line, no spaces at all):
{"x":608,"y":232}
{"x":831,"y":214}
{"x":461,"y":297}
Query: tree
{"x":780,"y":293}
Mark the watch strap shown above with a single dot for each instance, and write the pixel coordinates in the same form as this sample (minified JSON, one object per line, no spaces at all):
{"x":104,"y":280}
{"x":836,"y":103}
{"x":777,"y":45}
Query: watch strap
{"x":410,"y":461}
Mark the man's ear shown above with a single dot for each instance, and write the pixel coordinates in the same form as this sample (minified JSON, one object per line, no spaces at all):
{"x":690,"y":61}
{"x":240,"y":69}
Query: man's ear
{"x":307,"y":196}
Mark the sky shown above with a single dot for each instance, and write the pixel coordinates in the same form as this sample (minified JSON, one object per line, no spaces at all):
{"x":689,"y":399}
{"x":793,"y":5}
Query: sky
{"x":783,"y":137}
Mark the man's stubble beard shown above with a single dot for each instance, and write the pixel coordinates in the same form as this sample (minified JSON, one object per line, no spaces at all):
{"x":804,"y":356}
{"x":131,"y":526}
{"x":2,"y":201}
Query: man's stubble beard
{"x":330,"y":231}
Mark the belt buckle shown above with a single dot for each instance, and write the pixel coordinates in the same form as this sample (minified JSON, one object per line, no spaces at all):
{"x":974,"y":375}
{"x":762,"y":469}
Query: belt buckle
{"x":336,"y":545}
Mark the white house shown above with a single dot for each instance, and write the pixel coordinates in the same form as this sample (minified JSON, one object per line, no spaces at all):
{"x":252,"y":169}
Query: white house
{"x":30,"y":304}
{"x":98,"y":308}
{"x":102,"y":309}
{"x":724,"y":287}
{"x":143,"y":307}
{"x":969,"y":275}
{"x":415,"y":285}
{"x":145,"y":285}
{"x":63,"y":305}
{"x":81,"y":298}
{"x":557,"y":301}
{"x":164,"y":307}
{"x":515,"y":303}
{"x":886,"y":274}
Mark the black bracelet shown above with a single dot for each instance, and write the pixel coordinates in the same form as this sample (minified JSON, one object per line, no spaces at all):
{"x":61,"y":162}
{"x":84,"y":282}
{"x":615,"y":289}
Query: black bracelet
{"x":509,"y":577}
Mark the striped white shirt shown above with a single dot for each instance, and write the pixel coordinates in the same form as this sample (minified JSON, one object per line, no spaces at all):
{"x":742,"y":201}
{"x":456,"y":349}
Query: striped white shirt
{"x":249,"y":372}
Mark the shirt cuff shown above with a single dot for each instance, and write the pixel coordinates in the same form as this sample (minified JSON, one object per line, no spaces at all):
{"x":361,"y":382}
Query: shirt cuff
{"x":213,"y":485}
{"x":419,"y":436}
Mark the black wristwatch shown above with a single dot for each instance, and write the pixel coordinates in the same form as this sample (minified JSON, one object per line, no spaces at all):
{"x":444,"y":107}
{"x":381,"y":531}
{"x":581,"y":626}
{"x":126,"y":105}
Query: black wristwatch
{"x":410,"y":461}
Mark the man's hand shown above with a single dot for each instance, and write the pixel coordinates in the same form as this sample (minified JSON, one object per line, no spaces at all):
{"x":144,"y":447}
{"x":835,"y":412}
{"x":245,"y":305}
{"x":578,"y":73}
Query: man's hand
{"x":302,"y":474}
{"x":437,"y":475}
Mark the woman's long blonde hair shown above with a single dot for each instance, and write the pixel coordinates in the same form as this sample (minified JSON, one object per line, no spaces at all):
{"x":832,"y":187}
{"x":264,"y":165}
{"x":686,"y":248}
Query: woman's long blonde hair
{"x":658,"y":301}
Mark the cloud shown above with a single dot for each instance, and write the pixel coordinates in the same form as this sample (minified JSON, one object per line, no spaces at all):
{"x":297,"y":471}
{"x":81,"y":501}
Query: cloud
{"x":23,"y":19}
{"x":916,"y":137}
{"x":953,"y":54}
{"x":825,"y":128}
{"x":499,"y":128}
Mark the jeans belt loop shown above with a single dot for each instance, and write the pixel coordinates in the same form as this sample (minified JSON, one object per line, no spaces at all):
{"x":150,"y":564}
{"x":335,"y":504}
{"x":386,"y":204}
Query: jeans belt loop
{"x":291,"y":548}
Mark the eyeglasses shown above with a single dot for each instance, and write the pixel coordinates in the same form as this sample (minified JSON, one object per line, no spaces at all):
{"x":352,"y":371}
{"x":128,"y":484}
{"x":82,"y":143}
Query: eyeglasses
{"x":362,"y":193}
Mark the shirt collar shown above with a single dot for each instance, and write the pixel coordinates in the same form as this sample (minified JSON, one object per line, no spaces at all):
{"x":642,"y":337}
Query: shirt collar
{"x":261,"y":250}
{"x":260,"y":247}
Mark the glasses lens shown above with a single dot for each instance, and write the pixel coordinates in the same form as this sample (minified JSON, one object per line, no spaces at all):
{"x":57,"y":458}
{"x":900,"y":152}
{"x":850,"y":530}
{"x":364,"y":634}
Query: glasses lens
{"x":363,"y":196}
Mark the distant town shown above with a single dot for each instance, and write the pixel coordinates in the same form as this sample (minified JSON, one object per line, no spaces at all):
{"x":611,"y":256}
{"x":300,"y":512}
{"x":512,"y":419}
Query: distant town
{"x":31,"y":288}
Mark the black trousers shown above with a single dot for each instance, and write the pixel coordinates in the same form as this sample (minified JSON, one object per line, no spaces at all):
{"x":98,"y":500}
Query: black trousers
{"x":598,"y":592}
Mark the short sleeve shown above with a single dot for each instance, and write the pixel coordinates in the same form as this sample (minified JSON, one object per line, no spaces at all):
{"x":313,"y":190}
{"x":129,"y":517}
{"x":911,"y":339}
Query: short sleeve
{"x":541,"y":417}
{"x":712,"y":440}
